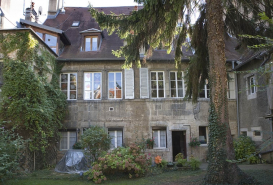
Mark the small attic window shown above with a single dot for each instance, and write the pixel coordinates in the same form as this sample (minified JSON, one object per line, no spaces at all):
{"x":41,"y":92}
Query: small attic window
{"x":75,"y":24}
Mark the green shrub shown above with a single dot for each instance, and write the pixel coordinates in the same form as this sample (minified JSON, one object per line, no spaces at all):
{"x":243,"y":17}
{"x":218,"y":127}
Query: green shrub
{"x":163,"y":163}
{"x":95,"y":140}
{"x":179,"y":156}
{"x":182,"y":162}
{"x":77,"y":145}
{"x":11,"y":146}
{"x":194,"y":163}
{"x":130,"y":160}
{"x":245,"y":149}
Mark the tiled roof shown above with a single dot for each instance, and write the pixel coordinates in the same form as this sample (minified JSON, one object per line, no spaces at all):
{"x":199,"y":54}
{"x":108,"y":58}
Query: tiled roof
{"x":109,"y":42}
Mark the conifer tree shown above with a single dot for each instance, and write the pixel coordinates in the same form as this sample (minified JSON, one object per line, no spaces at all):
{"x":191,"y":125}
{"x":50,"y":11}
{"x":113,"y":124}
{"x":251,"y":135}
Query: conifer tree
{"x":157,"y":22}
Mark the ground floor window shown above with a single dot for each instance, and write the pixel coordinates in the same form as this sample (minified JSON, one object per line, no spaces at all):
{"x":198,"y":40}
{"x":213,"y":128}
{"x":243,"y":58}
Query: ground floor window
{"x":116,"y":138}
{"x":160,"y":137}
{"x":203,"y":137}
{"x":68,"y":139}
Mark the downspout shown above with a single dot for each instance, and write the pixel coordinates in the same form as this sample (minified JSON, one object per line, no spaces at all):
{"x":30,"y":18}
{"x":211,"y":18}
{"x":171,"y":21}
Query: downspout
{"x":237,"y":100}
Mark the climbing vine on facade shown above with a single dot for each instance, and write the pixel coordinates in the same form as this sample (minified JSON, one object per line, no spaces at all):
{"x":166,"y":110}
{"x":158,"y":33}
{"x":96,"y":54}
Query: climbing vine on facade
{"x":31,"y":99}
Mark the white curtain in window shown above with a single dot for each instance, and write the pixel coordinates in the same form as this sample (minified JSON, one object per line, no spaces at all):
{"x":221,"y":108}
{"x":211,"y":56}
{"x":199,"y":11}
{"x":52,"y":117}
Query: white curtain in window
{"x":163,"y":138}
{"x":155,"y":134}
{"x":119,"y":138}
{"x":112,"y":135}
{"x":72,"y":139}
{"x":63,"y":142}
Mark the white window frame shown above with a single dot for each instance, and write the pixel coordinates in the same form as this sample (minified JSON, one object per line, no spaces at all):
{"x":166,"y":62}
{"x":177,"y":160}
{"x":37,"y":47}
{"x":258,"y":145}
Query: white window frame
{"x":116,"y":137}
{"x":92,"y":82}
{"x":206,"y":92}
{"x":115,"y":94}
{"x":159,"y":139}
{"x":157,"y":93}
{"x":68,"y":140}
{"x":91,"y":43}
{"x":176,"y":84}
{"x":68,"y":85}
{"x":207,"y":135}
{"x":249,"y":86}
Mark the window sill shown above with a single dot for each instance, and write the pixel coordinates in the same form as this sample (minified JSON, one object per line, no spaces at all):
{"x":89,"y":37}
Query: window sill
{"x":159,"y":149}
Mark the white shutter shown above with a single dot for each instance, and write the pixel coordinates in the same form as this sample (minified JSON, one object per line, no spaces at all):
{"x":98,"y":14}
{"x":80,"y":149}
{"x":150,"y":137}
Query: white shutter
{"x":129,"y":84}
{"x":144,"y":85}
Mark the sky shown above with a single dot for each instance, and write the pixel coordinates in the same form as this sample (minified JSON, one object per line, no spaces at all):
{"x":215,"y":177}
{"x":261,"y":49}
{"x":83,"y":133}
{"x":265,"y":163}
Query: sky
{"x":98,"y":3}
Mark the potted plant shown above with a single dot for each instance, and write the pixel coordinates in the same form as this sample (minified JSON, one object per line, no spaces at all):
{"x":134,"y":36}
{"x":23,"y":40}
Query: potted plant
{"x":194,"y":142}
{"x":150,"y":143}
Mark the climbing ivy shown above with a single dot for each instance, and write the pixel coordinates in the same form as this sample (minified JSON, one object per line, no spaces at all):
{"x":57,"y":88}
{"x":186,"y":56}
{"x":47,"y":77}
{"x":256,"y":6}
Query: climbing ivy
{"x":31,"y":100}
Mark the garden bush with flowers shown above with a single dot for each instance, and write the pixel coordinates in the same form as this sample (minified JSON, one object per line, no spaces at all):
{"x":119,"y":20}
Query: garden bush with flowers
{"x":130,"y":160}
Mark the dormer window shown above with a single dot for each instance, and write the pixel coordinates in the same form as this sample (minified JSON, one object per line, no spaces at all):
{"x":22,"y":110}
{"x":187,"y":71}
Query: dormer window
{"x":92,"y":39}
{"x":91,"y":43}
{"x":75,"y":24}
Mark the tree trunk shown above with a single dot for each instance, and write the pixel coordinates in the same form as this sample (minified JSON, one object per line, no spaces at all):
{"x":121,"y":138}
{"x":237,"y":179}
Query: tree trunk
{"x":220,"y":141}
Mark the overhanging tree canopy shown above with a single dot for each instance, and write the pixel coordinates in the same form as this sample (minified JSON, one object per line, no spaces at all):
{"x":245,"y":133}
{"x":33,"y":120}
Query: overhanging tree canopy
{"x":156,"y":24}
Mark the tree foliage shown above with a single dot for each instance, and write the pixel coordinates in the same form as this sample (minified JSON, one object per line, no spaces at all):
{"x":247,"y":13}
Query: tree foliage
{"x":30,"y":103}
{"x":96,"y":141}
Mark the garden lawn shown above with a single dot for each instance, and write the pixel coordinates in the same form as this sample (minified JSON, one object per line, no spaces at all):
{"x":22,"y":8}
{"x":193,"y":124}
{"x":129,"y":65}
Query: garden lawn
{"x":157,"y":177}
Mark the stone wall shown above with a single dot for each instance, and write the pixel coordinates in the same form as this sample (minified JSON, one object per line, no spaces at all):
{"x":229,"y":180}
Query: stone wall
{"x":137,"y":117}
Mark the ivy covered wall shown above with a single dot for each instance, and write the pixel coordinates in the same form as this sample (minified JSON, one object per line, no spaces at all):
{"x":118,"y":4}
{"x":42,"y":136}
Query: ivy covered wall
{"x":31,"y":100}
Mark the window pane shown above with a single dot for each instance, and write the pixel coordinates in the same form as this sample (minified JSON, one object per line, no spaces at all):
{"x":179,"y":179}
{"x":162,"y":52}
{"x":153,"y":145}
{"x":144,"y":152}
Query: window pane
{"x":179,"y":76}
{"x":63,"y":141}
{"x":155,"y":135}
{"x":118,"y":85}
{"x":73,"y":77}
{"x":161,"y":93}
{"x":119,"y":139}
{"x":111,"y":85}
{"x":64,"y":78}
{"x":87,"y":76}
{"x":179,"y":84}
{"x":72,"y":139}
{"x":97,"y":77}
{"x":72,"y":94}
{"x":173,"y":84}
{"x":65,"y":92}
{"x":172,"y":75}
{"x":111,"y":77}
{"x":160,"y":85}
{"x":87,"y":44}
{"x":154,"y":93}
{"x":73,"y":86}
{"x":63,"y":86}
{"x":180,"y":92}
{"x":94,"y":44}
{"x":118,"y":76}
{"x":160,"y":75}
{"x":153,"y":75}
{"x":162,"y":138}
{"x":202,"y":135}
{"x":118,"y":95}
{"x":87,"y":95}
{"x":87,"y":85}
{"x":112,"y":135}
{"x":173,"y":93}
{"x":154,"y":84}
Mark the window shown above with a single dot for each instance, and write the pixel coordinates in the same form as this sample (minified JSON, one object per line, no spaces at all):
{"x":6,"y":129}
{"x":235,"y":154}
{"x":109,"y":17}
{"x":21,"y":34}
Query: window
{"x":160,"y":138}
{"x":257,"y":133}
{"x":114,"y":85}
{"x":244,"y":133}
{"x":157,"y":84}
{"x":75,"y":23}
{"x":251,"y":83}
{"x":68,"y":139}
{"x":51,"y":41}
{"x":203,"y":137}
{"x":177,"y":84}
{"x":204,"y":92}
{"x":69,"y":85}
{"x":116,"y":137}
{"x":91,"y":43}
{"x":92,"y":86}
{"x":231,"y":86}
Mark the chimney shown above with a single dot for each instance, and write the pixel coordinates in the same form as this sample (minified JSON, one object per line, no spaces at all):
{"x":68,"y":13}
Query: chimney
{"x":30,"y":13}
